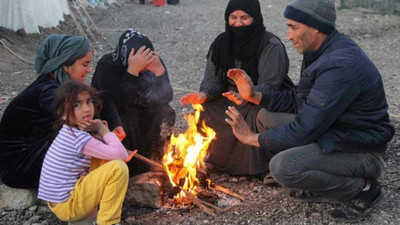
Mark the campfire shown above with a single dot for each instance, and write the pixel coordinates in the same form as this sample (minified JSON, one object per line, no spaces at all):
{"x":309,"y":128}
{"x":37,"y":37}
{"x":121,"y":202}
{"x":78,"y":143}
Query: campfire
{"x":185,"y":155}
{"x":183,"y":164}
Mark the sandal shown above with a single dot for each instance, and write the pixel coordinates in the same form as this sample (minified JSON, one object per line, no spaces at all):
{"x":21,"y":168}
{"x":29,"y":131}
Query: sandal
{"x":269,"y":180}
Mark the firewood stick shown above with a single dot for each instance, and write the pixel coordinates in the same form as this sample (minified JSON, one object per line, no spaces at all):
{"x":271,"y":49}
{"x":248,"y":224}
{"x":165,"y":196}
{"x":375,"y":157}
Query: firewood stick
{"x":215,"y":186}
{"x":199,"y":203}
{"x":148,"y":161}
{"x":216,"y":208}
{"x":226,"y":191}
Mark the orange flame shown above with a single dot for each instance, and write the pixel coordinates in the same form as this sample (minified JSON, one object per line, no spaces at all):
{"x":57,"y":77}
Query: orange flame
{"x":186,"y":152}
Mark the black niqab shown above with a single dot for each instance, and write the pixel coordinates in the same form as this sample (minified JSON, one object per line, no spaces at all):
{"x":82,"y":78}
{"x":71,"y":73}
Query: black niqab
{"x":239,"y":42}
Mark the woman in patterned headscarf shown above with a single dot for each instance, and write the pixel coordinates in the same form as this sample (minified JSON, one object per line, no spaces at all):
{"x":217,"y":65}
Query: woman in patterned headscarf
{"x":247,"y":45}
{"x":135,"y":80}
{"x":26,"y":125}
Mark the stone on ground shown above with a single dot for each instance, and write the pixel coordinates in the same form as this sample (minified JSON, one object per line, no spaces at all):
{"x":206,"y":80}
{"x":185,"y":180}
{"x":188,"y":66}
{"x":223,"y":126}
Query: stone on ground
{"x":16,"y":198}
{"x":145,"y":190}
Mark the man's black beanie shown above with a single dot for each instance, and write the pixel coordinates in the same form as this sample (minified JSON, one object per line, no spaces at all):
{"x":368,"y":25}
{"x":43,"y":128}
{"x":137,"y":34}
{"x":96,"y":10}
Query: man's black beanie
{"x":319,"y":14}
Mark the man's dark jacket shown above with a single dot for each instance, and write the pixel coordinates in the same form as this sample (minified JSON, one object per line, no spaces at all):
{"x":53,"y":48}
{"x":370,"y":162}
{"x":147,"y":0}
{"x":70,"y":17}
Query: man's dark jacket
{"x":340,"y":102}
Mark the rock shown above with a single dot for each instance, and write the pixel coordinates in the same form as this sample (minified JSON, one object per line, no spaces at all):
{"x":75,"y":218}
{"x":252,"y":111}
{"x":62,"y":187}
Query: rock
{"x":34,"y":219}
{"x":145,"y":190}
{"x":86,"y":221}
{"x":90,"y":220}
{"x":21,"y":32}
{"x":16,"y":198}
{"x":243,"y":178}
{"x":233,"y":180}
{"x":315,"y":214}
{"x":33,"y":208}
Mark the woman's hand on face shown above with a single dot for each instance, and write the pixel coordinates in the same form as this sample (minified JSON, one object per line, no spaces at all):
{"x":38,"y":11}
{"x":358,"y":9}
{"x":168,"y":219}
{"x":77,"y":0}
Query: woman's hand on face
{"x":139,"y":61}
{"x":245,"y":85}
{"x":193,"y":98}
{"x":234,"y":97}
{"x":155,"y":65}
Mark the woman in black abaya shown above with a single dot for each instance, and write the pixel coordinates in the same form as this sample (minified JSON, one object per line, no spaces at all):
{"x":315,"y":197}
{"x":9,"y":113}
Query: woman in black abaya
{"x":134,"y":81}
{"x":247,"y":45}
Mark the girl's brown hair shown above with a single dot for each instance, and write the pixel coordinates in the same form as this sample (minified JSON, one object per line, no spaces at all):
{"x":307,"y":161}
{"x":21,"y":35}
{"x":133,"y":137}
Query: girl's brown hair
{"x":64,"y":98}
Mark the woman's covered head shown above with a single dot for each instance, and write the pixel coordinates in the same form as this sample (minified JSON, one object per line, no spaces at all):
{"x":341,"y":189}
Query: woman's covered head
{"x":67,"y":56}
{"x":75,"y":102}
{"x":128,"y":40}
{"x":243,"y":18}
{"x":251,"y":7}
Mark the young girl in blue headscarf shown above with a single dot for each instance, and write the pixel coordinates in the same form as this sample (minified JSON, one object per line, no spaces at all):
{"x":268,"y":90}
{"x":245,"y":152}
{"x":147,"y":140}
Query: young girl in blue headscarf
{"x":26,"y":125}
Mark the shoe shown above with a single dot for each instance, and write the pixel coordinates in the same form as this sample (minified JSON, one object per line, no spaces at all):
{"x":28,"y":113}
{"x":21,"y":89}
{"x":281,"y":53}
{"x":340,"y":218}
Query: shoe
{"x":360,"y":207}
{"x":305,"y":195}
{"x":270,"y":180}
{"x":309,"y":196}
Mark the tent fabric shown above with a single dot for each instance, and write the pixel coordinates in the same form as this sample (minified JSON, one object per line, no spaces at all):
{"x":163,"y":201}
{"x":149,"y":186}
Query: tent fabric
{"x":30,"y":14}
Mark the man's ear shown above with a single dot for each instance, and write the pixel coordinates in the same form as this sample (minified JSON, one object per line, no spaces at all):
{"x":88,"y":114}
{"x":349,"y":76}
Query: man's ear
{"x":315,"y":31}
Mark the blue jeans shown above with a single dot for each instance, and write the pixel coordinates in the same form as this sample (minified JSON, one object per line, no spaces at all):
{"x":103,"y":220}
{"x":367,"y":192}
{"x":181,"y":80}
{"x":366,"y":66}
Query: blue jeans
{"x":337,"y":175}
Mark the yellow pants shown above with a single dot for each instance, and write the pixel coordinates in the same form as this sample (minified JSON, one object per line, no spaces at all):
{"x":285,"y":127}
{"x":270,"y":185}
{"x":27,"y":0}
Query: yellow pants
{"x":105,"y":187}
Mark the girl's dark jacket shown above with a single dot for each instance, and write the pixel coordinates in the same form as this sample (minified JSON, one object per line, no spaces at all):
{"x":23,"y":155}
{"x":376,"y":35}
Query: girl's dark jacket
{"x":340,"y":102}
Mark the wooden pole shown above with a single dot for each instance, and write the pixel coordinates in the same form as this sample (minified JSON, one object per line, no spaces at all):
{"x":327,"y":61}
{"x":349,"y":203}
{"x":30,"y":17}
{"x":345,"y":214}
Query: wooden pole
{"x":227,"y":191}
{"x":148,"y":161}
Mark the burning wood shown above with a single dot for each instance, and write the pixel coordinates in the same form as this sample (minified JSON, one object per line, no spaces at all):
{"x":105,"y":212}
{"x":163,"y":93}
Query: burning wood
{"x":184,"y":159}
{"x":186,"y":153}
{"x":211,"y":185}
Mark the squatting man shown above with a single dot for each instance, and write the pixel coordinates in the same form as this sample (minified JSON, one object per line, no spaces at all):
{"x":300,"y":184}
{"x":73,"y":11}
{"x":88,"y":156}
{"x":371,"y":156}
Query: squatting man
{"x":332,"y":145}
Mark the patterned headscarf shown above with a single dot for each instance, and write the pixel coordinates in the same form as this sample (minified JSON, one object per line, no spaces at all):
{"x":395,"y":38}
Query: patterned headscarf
{"x":58,"y":50}
{"x":128,"y":40}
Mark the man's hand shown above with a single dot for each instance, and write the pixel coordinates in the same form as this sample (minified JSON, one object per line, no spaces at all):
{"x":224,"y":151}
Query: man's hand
{"x":193,"y":98}
{"x":119,"y":132}
{"x":234,"y":97}
{"x":240,"y":128}
{"x":245,"y":85}
{"x":139,"y":61}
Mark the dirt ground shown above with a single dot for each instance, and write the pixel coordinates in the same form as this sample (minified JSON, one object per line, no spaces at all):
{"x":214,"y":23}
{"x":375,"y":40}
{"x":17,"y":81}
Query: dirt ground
{"x":182,"y":35}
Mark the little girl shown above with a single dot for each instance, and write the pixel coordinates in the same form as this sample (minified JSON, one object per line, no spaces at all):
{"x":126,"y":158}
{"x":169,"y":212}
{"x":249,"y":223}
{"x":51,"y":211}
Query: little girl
{"x":71,"y":192}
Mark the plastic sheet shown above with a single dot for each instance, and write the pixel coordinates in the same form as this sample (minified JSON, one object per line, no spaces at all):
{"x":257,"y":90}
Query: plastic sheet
{"x":30,"y":14}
